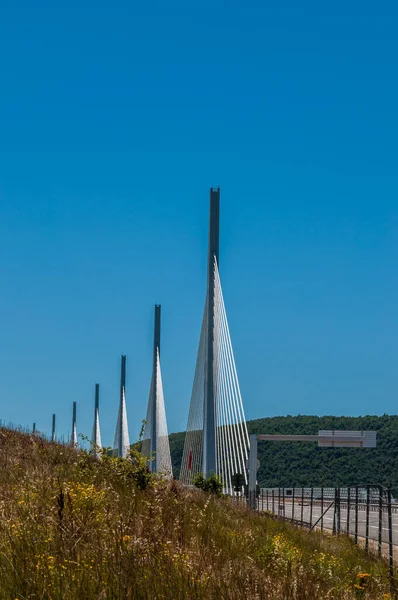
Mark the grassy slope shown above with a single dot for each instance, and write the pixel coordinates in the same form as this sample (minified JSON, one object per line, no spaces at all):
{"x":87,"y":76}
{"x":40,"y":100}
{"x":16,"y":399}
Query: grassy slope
{"x":74,"y":528}
{"x":290,"y":464}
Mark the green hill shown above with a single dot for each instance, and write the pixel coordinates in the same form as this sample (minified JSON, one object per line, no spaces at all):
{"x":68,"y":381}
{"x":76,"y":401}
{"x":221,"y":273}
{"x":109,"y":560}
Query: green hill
{"x":302,"y":464}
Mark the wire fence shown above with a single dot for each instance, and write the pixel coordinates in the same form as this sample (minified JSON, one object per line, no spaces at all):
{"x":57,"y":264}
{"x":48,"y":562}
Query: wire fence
{"x":368,"y":513}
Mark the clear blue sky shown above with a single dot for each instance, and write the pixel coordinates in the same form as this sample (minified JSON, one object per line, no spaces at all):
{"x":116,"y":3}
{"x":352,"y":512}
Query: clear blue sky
{"x":115,"y":119}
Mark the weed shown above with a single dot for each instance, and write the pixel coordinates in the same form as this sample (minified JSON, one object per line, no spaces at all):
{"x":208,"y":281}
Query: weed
{"x":76,"y":528}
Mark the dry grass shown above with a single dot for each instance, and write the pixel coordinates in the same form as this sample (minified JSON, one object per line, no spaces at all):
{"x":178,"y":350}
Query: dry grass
{"x":74,"y":528}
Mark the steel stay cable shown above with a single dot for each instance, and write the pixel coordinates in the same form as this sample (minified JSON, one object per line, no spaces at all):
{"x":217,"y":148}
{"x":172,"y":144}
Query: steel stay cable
{"x":188,"y":435}
{"x":190,"y":445}
{"x":220,"y":447}
{"x":165,"y":463}
{"x":234,"y":404}
{"x":231,"y":403}
{"x":228,"y":401}
{"x":242,"y":418}
{"x":231,"y":382}
{"x":229,"y":437}
{"x":228,"y":408}
{"x":242,"y":455}
{"x":220,"y":393}
{"x":223,"y":396}
{"x":198,"y":414}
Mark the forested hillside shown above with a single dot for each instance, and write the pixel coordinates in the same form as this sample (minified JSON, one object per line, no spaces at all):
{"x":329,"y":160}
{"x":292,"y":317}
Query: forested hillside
{"x":303,"y":464}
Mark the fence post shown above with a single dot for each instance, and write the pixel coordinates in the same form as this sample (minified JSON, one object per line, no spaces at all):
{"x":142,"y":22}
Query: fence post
{"x":367,"y":518}
{"x":267,"y":498}
{"x":390,"y":544}
{"x":380,"y":517}
{"x":356,"y":515}
{"x":348,"y":509}
{"x":273,"y":500}
{"x":312,"y":501}
{"x":302,"y":505}
{"x":279,"y":501}
{"x":322,"y":508}
{"x":293,"y":505}
{"x":335,"y":512}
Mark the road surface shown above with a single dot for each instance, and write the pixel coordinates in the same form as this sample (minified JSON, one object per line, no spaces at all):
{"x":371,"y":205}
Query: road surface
{"x":313,"y":517}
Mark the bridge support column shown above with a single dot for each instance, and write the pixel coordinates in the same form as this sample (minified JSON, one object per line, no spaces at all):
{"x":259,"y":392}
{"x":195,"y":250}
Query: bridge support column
{"x":154,"y":424}
{"x":53,"y":430}
{"x":210,"y":418}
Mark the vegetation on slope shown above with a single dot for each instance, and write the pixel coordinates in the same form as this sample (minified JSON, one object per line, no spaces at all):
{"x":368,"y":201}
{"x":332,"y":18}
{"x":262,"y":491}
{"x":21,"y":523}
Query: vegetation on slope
{"x":74,"y":528}
{"x":288,"y":463}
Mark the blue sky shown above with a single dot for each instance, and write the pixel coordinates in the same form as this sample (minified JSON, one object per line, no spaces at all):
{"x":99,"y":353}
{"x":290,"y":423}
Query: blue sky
{"x":115,"y":119}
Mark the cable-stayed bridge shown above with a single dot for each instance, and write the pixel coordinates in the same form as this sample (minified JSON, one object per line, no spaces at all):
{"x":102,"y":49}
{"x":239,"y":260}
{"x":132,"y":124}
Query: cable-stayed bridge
{"x":216,"y":435}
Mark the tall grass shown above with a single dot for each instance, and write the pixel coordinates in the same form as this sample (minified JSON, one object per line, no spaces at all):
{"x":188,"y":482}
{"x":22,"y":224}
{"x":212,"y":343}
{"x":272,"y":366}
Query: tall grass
{"x":72,"y":527}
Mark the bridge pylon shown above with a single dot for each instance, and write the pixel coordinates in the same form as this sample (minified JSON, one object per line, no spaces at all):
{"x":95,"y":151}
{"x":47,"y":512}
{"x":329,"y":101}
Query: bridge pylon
{"x":121,"y":445}
{"x":53,"y":429}
{"x":96,"y":444}
{"x":73,"y":437}
{"x":155,"y":443}
{"x":216,"y":439}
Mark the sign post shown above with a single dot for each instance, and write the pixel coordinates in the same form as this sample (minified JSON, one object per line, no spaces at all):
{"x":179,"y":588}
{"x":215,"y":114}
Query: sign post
{"x":325,"y":439}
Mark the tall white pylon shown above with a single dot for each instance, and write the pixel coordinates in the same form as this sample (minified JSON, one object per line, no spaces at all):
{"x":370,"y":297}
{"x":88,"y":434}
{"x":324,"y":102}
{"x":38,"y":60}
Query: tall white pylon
{"x":122,"y":443}
{"x":96,"y":445}
{"x":155,"y":444}
{"x":73,"y":437}
{"x":216,"y":438}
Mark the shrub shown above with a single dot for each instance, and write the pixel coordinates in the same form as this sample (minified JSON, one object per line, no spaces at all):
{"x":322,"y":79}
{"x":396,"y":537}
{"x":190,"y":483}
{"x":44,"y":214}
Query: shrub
{"x":212,"y":484}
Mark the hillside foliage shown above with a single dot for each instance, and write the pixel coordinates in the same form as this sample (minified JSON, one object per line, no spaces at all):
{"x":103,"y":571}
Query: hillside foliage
{"x":75,"y":528}
{"x":305,"y":465}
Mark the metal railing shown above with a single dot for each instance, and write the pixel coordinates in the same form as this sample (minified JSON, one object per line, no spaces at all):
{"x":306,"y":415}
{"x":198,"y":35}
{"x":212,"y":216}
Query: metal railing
{"x":365,"y":513}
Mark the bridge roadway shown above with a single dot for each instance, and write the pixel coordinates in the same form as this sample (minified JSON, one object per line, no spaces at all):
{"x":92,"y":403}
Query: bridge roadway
{"x":329,"y":516}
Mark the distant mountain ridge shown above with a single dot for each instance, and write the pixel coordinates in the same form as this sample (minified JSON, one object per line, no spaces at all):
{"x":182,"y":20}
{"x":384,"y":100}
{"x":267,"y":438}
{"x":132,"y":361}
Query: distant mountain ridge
{"x":304,"y":464}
